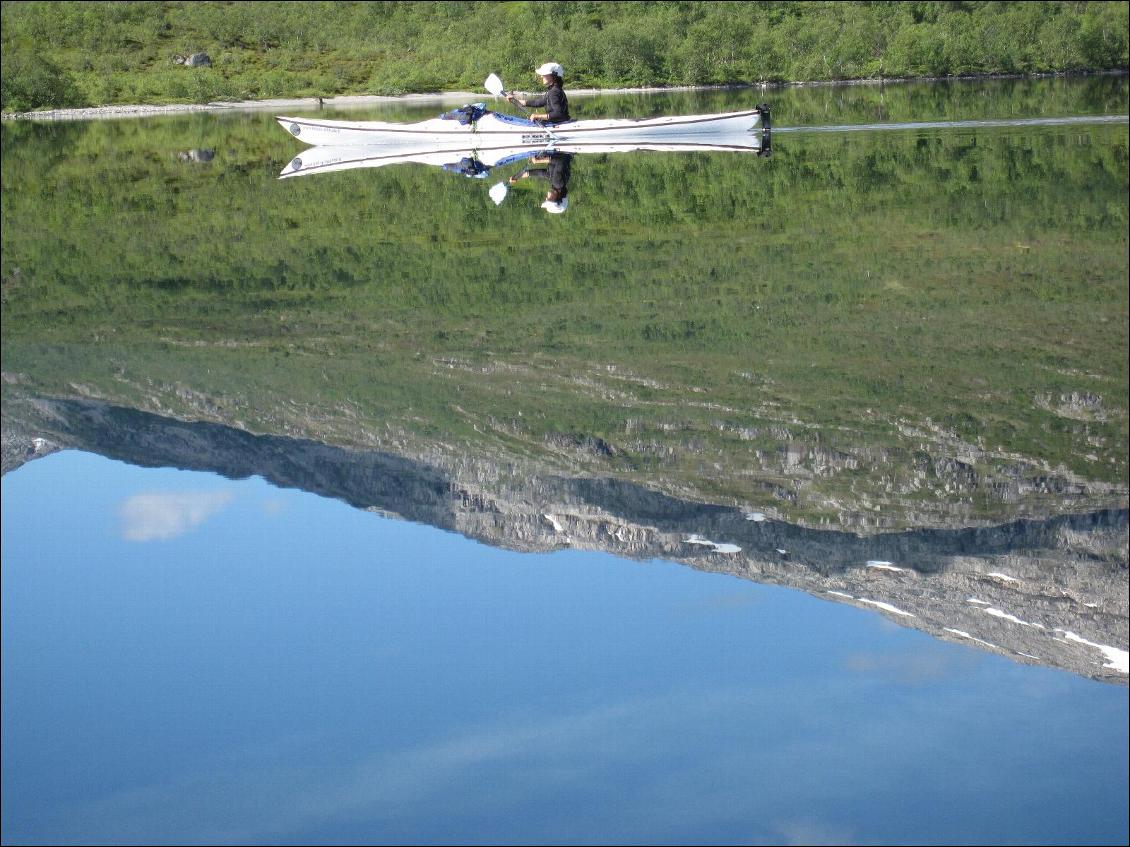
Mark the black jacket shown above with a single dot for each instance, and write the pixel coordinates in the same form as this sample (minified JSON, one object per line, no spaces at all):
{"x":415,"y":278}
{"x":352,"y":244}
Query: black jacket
{"x":555,"y":101}
{"x":556,"y":173}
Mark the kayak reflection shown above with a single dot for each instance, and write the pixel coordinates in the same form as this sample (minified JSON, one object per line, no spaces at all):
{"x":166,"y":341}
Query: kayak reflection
{"x":473,"y":140}
{"x":481,"y":162}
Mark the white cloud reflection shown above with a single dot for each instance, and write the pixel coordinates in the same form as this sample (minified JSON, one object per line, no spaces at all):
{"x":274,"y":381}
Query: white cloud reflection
{"x":161,"y":516}
{"x":923,"y":667}
{"x":800,"y":832}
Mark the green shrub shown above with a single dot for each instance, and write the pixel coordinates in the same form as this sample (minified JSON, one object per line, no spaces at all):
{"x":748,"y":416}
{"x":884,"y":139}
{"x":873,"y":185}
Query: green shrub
{"x":31,"y":82}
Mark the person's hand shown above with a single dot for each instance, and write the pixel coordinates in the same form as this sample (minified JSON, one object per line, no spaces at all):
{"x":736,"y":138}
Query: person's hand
{"x":540,"y":116}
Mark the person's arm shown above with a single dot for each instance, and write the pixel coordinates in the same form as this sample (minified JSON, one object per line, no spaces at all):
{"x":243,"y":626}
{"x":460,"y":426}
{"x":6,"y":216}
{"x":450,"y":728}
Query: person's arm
{"x":531,"y":101}
{"x":535,"y":173}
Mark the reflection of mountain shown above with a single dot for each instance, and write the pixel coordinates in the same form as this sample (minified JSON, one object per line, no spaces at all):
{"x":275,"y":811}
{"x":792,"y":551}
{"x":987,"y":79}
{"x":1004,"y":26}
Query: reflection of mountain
{"x":1051,"y":592}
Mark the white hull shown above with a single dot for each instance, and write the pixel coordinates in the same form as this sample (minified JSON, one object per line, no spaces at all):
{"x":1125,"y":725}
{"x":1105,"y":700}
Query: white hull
{"x":492,"y":130}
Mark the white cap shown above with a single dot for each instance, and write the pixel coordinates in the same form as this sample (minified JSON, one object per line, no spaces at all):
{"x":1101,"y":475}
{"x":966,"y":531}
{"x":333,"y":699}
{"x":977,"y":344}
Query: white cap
{"x":556,"y":208}
{"x":551,"y":68}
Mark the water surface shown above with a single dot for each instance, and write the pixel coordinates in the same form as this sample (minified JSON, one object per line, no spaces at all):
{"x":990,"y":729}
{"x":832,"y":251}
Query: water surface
{"x":755,"y":499}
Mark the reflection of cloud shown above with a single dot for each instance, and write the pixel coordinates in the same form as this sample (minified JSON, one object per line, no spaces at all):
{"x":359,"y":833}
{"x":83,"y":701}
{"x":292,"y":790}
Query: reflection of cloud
{"x":489,"y":771}
{"x":274,"y":506}
{"x":811,"y":832}
{"x":915,"y":669}
{"x":795,"y":771}
{"x":722,"y":602}
{"x":275,"y":799}
{"x":158,"y":517}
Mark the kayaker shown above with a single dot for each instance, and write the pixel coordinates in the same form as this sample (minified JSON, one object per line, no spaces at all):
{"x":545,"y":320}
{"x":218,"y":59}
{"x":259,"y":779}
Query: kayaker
{"x":559,"y":167}
{"x":554,"y":100}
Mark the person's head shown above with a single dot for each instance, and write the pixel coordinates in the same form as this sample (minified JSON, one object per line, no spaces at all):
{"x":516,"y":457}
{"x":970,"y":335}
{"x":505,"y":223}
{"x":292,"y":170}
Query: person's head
{"x":555,"y":202}
{"x":551,"y":72}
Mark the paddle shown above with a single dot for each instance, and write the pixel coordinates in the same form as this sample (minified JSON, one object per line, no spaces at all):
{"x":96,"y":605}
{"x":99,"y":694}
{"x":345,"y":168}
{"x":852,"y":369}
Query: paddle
{"x":494,"y":85}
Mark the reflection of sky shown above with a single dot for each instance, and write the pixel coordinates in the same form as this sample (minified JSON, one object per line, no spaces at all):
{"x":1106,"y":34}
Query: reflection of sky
{"x":191,"y":659}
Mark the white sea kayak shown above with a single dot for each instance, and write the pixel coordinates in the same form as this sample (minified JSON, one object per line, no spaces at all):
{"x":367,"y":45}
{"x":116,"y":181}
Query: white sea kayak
{"x":475,"y":126}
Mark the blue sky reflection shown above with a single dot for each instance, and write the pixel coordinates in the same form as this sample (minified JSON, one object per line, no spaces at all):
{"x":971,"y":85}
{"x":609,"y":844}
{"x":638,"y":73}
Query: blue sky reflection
{"x":189,"y":659}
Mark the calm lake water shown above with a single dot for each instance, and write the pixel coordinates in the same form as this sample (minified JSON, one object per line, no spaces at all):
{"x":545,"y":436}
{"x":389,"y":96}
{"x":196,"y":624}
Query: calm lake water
{"x":755,"y":499}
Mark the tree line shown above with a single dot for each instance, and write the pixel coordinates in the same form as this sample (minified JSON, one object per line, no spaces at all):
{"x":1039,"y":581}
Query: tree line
{"x":63,"y":54}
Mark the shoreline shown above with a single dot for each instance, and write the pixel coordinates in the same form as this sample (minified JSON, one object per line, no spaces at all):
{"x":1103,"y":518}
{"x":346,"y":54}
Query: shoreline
{"x":345,"y":101}
{"x":358,"y":101}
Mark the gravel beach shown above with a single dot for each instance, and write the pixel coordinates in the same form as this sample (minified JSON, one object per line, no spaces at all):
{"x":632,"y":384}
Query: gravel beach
{"x":352,"y":102}
{"x":95,"y":112}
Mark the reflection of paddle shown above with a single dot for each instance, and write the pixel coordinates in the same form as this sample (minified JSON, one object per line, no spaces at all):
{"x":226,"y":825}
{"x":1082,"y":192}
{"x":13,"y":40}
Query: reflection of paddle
{"x":498,"y":193}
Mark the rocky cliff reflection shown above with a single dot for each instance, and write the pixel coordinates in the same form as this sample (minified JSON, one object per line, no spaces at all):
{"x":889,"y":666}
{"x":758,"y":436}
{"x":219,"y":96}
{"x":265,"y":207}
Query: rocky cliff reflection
{"x":1050,"y":592}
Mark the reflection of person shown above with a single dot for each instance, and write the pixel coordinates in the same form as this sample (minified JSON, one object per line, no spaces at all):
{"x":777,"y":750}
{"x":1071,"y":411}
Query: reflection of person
{"x":559,"y":167}
{"x":554,"y":100}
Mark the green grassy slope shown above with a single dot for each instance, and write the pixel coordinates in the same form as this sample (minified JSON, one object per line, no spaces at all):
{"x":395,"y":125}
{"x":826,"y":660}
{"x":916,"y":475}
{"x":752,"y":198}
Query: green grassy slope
{"x":93,"y":53}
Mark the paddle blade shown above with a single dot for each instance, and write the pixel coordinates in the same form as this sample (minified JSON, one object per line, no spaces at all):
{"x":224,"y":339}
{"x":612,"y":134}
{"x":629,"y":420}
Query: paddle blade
{"x":498,"y":193}
{"x":494,"y":85}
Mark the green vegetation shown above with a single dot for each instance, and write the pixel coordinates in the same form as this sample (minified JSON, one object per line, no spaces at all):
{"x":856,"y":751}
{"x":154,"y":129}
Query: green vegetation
{"x":94,"y":53}
{"x":694,"y":312}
